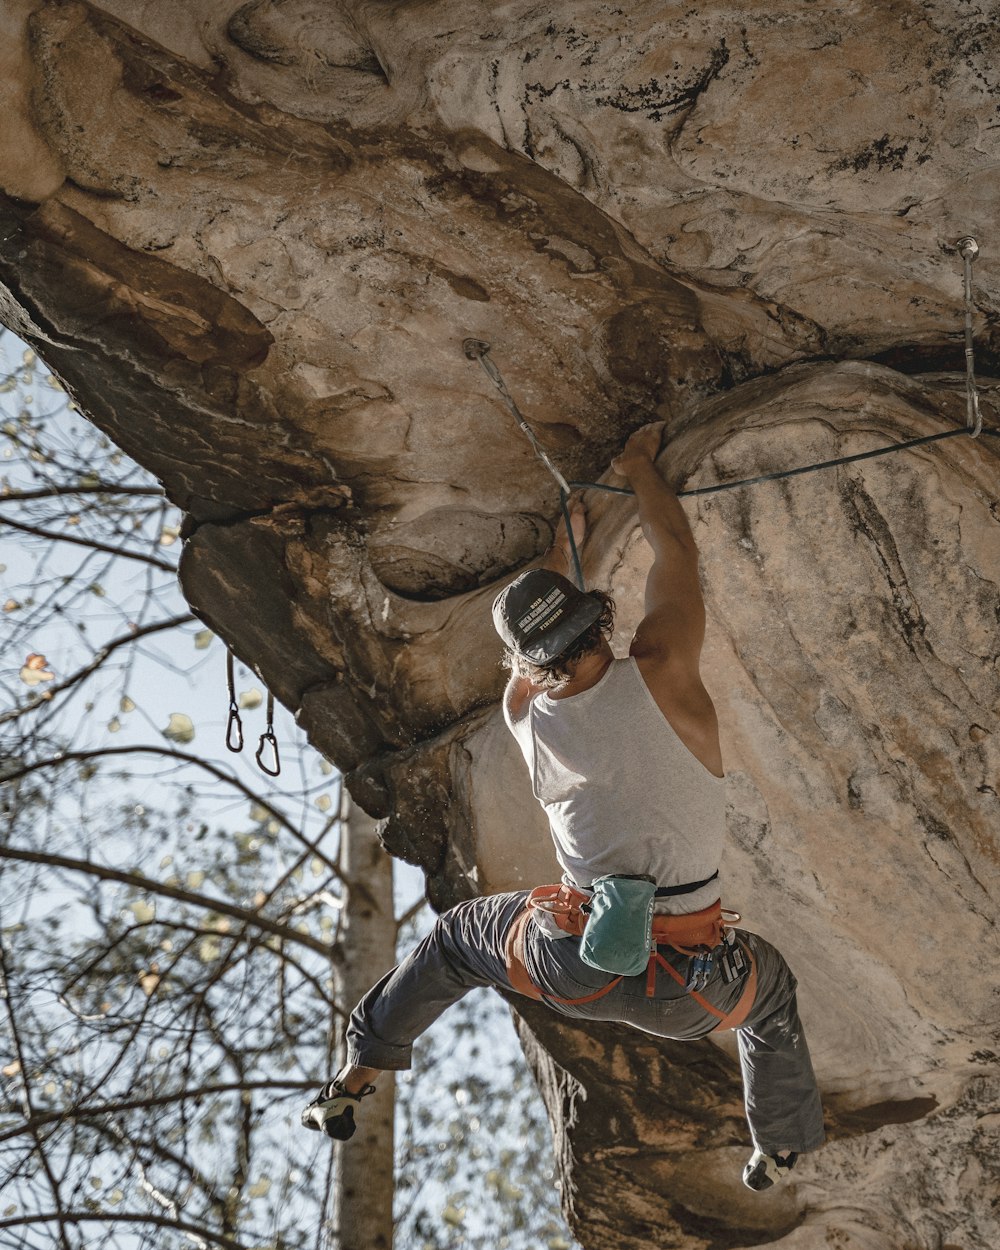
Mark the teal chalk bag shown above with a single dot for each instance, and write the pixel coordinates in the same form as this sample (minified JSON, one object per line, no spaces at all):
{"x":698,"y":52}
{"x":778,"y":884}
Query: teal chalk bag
{"x":618,"y":936}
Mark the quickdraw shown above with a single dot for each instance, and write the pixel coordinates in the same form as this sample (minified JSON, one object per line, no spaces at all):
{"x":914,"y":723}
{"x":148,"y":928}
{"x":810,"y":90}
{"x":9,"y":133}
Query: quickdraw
{"x":234,"y":727}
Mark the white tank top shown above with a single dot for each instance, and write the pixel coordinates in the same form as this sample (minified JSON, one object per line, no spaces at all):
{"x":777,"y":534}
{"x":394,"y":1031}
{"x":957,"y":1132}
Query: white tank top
{"x":622,"y":793}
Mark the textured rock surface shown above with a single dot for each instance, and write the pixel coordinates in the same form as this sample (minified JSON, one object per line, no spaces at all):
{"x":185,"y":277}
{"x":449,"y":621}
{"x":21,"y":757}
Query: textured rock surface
{"x":252,"y":237}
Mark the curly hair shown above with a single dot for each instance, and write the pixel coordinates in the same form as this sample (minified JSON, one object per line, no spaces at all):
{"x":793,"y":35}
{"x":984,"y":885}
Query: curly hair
{"x":561,"y":668}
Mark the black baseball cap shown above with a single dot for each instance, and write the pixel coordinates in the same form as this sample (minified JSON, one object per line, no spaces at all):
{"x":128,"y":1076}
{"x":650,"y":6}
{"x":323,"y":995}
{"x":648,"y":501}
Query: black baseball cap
{"x":540,"y":613}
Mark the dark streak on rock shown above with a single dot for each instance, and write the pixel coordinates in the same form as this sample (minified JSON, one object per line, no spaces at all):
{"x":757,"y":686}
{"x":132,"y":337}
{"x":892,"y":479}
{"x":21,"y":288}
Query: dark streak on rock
{"x":872,"y":524}
{"x":656,"y":99}
{"x":879,"y":154}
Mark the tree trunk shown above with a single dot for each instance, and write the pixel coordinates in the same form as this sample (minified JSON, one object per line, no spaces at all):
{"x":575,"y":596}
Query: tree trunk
{"x":363,"y":1180}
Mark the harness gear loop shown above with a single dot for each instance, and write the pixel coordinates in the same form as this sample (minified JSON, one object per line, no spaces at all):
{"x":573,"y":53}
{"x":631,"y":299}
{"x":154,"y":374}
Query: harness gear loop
{"x":268,"y":738}
{"x":234,"y":724}
{"x":969,"y":249}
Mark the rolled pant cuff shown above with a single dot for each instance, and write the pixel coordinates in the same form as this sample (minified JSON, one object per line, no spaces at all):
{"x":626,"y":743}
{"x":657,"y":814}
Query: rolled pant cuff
{"x":381,"y":1055}
{"x":812,"y":1143}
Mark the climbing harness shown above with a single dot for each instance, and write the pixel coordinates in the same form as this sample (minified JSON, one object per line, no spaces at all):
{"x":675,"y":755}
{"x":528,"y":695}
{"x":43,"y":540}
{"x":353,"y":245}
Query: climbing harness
{"x":696,"y":935}
{"x":234,"y":727}
{"x":477,"y":349}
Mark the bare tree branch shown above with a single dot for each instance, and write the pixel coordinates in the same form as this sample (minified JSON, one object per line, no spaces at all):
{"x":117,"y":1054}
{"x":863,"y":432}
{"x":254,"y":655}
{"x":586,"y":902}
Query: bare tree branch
{"x":123,"y":1217}
{"x":149,"y":885}
{"x":92,"y":543}
{"x":99,"y":658}
{"x":39,"y":1119}
{"x":102,"y":488}
{"x":15,"y":773}
{"x":26,"y":1087}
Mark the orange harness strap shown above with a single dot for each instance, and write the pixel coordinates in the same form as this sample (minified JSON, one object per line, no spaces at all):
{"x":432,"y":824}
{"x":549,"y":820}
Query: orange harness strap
{"x":521,"y":982}
{"x":520,"y":978}
{"x":734,"y":1018}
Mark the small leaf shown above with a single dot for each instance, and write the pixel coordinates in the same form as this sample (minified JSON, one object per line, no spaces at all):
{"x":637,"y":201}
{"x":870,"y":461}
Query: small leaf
{"x":209,"y":948}
{"x":180,"y":729}
{"x":96,"y":1182}
{"x":12,"y":1069}
{"x":97,"y":589}
{"x":251,"y":698}
{"x":29,"y":357}
{"x":148,"y":981}
{"x":169,"y":535}
{"x":89,"y":481}
{"x":34,"y":670}
{"x":195,"y":879}
{"x":114,"y":724}
{"x":166,"y":861}
{"x":453,"y":1215}
{"x":260,"y":1188}
{"x":126,"y":705}
{"x":144,"y":912}
{"x":116,"y":1196}
{"x":53,"y":382}
{"x":11,"y":605}
{"x":324,"y":802}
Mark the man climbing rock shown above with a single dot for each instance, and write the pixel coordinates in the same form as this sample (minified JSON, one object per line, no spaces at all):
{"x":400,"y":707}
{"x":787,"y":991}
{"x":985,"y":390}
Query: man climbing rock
{"x":625,"y":757}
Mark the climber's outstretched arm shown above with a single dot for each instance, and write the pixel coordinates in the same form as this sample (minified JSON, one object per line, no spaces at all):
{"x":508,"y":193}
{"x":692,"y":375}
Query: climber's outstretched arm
{"x":673,"y":627}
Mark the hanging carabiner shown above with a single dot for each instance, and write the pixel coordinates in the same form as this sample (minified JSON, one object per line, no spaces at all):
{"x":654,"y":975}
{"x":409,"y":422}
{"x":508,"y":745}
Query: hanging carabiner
{"x":267,"y":738}
{"x":234,"y":723}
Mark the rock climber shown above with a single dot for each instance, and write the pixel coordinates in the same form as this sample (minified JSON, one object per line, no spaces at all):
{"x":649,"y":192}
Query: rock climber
{"x":625,"y":757}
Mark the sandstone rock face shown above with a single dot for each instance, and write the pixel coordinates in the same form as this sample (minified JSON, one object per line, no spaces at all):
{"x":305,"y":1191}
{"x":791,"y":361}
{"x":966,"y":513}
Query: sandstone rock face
{"x":252,"y":238}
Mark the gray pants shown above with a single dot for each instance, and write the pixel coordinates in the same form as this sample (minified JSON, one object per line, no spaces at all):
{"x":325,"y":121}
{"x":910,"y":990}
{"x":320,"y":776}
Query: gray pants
{"x":465,"y":949}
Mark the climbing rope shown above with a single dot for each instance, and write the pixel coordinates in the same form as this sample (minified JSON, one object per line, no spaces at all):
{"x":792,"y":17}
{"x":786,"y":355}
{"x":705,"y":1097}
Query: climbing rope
{"x":477,"y":349}
{"x":234,"y":727}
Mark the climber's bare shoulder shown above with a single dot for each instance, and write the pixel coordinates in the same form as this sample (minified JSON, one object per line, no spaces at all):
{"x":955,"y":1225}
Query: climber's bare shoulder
{"x":674,"y":681}
{"x":517,"y":697}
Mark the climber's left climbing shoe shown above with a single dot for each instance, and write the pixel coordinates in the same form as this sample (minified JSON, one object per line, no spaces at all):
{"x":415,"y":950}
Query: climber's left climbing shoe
{"x":763,"y":1170}
{"x":332,"y":1110}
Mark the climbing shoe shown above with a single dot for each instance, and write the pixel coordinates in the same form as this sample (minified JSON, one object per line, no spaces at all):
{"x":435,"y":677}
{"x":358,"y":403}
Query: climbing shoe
{"x":765,"y":1170}
{"x":332,"y":1110}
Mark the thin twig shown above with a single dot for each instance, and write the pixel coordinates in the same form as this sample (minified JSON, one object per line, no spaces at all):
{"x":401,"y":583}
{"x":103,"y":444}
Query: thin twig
{"x":53,"y":536}
{"x":74,"y":679}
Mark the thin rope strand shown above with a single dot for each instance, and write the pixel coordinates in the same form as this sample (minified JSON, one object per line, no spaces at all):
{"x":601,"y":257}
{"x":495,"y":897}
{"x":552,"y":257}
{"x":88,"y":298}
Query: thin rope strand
{"x":974,"y":416}
{"x":477,"y":350}
{"x":807,"y":468}
{"x":574,"y":551}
